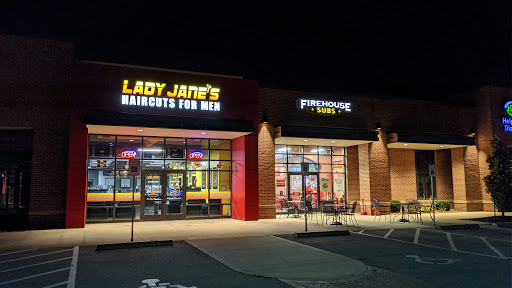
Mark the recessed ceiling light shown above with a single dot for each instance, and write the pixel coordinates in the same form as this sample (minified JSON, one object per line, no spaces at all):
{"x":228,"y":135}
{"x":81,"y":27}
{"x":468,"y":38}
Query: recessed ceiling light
{"x":442,"y":146}
{"x":305,"y":140}
{"x":140,"y":130}
{"x":333,"y":141}
{"x":203,"y":133}
{"x":131,"y":140}
{"x":406,"y":144}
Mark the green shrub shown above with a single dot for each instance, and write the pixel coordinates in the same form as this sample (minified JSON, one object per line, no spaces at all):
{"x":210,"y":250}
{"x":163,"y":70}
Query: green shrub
{"x":443,"y":205}
{"x":395,"y":206}
{"x":426,"y":209}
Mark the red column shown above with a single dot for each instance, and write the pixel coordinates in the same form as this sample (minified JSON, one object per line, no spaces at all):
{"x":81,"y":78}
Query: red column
{"x":244,"y":188}
{"x":77,"y":174}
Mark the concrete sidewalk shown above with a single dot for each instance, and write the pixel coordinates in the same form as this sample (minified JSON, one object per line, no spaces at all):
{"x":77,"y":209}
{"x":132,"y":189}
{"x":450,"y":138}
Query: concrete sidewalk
{"x":275,"y":257}
{"x":106,"y":233}
{"x":249,"y":247}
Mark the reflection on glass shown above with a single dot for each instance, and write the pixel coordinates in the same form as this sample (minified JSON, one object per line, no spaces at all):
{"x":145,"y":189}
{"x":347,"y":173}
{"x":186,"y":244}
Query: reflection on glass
{"x":152,"y":164}
{"x":153,"y":148}
{"x":175,"y":164}
{"x":197,"y":143}
{"x":220,"y":144}
{"x":152,"y":194}
{"x":220,"y":155}
{"x":174,"y":195}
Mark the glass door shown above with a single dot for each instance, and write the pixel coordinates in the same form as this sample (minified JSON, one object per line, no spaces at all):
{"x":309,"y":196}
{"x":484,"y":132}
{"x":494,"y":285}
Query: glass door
{"x":311,"y":183}
{"x":174,"y":198}
{"x":295,"y":185}
{"x":152,"y":203}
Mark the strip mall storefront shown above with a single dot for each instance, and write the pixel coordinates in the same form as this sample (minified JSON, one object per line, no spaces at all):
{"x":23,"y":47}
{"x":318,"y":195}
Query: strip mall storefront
{"x":100,"y":138}
{"x":168,"y":144}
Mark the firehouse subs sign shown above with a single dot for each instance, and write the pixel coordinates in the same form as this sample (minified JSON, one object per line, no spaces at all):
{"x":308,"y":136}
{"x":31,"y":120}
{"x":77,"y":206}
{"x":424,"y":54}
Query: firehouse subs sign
{"x":177,"y":96}
{"x":324,"y":108}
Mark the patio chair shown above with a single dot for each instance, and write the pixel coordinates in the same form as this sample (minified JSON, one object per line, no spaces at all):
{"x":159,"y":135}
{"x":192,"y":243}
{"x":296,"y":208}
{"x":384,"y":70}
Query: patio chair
{"x":285,"y":207}
{"x":414,"y":211}
{"x":327,"y":211}
{"x":381,"y":210}
{"x":352,"y":213}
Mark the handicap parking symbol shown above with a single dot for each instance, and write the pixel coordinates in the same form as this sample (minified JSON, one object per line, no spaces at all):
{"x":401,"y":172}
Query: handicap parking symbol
{"x":154,"y":283}
{"x":432,"y":260}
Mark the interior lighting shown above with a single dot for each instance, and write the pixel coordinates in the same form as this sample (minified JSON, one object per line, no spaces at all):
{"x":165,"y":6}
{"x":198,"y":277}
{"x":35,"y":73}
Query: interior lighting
{"x":140,"y":130}
{"x":203,"y":133}
{"x":305,"y":140}
{"x":131,"y":140}
{"x":406,"y":144}
{"x":333,"y":141}
{"x":442,"y":146}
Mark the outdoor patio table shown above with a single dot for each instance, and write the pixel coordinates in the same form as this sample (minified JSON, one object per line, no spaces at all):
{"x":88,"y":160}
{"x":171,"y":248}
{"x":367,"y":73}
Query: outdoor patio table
{"x":337,"y":209}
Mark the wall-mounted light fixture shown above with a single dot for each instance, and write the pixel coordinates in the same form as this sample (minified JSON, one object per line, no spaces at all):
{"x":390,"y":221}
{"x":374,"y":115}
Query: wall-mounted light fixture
{"x":472,"y":132}
{"x":378,"y":126}
{"x":265,"y":121}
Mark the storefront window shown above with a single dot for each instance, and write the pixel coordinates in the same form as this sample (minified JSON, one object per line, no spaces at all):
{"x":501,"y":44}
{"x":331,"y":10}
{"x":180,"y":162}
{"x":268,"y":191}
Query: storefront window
{"x":323,"y":181}
{"x":111,"y":190}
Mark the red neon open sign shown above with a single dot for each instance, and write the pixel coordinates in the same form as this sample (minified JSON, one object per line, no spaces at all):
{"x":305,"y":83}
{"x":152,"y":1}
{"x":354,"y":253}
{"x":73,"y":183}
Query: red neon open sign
{"x":196,"y":155}
{"x":129,"y":154}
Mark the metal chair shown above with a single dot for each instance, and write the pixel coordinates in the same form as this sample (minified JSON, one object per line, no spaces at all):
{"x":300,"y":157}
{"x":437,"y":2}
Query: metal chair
{"x":327,"y":211}
{"x":352,"y":213}
{"x":414,"y":211}
{"x":381,"y":210}
{"x":285,"y":207}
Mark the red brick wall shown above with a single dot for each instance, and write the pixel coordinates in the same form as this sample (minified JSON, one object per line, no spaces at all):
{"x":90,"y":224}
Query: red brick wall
{"x":266,"y":168}
{"x":364,"y":172}
{"x":459,"y":179}
{"x":472,"y":171}
{"x":380,"y":184}
{"x":402,"y":168}
{"x":35,"y":77}
{"x":444,"y":180}
{"x":353,"y":192}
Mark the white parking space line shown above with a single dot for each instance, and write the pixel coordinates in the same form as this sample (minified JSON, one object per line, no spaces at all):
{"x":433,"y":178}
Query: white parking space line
{"x":33,"y":276}
{"x":493,"y":248}
{"x":404,"y":241}
{"x":466,"y":235}
{"x":32,"y":265}
{"x":12,"y":260}
{"x":450,"y":240}
{"x":72,"y":272}
{"x":55,"y":285}
{"x":360,"y":232}
{"x":417,"y":235}
{"x":389,"y":233}
{"x":20,"y":251}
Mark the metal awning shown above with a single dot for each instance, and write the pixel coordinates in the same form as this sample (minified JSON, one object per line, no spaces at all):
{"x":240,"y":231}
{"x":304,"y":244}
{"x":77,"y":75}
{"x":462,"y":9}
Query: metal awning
{"x":424,"y":141}
{"x":322,"y":136}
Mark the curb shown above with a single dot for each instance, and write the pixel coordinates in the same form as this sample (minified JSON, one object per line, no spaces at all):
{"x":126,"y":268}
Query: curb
{"x":460,"y":226}
{"x":134,"y":245}
{"x":321,"y":234}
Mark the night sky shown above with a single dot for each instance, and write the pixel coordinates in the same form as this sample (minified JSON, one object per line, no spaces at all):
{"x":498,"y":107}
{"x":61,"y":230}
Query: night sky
{"x":419,"y":49}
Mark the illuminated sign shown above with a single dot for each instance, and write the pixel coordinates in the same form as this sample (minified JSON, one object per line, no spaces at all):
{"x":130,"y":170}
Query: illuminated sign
{"x":128,"y":154}
{"x":196,"y":155}
{"x":507,"y":121}
{"x":186,"y":97}
{"x":324,"y":108}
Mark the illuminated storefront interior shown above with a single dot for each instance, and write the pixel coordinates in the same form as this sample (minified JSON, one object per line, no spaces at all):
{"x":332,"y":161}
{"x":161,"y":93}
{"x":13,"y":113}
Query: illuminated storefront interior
{"x":180,"y":178}
{"x":324,"y":179}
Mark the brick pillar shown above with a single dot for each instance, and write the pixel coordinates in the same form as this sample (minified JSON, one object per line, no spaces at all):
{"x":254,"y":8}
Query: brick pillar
{"x":364,"y":173}
{"x":380,"y":184}
{"x":444,"y":184}
{"x":266,"y":172}
{"x":466,"y":179}
{"x":484,"y":135}
{"x":472,"y":170}
{"x":353,"y":191}
{"x":402,"y":169}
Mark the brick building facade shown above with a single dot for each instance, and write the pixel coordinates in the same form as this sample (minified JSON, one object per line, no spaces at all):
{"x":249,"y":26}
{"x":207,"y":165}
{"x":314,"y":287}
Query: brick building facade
{"x":47,"y":99}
